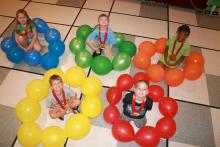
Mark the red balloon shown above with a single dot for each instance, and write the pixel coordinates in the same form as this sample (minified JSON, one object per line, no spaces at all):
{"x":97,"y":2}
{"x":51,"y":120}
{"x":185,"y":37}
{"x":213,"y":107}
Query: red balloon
{"x":124,"y":82}
{"x":147,"y":136}
{"x":147,"y":47}
{"x":160,"y":45}
{"x":168,"y":107}
{"x":174,"y":77}
{"x":140,"y":76}
{"x":142,"y":60}
{"x":123,"y":131}
{"x":166,"y":127}
{"x":155,"y":73}
{"x":113,"y":95}
{"x":155,"y":92}
{"x":111,"y":114}
{"x":195,"y":57}
{"x":193,"y":71}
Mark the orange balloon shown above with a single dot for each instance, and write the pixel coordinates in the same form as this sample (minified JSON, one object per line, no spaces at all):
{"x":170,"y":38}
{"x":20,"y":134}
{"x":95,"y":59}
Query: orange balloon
{"x":193,"y":71}
{"x":160,"y":45}
{"x":142,"y":60}
{"x":155,"y":73}
{"x":147,"y":47}
{"x":195,"y":57}
{"x":174,"y":77}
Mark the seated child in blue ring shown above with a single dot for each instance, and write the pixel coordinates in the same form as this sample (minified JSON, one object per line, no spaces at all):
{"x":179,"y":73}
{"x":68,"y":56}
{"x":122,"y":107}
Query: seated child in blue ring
{"x":136,"y":104}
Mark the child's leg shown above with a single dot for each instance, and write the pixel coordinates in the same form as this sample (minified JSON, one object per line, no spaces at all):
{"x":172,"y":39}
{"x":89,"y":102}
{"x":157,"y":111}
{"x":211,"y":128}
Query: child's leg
{"x":56,"y":112}
{"x":140,"y":122}
{"x":73,"y":102}
{"x":108,"y":52}
{"x":23,"y":41}
{"x":37,"y":45}
{"x":124,"y":117}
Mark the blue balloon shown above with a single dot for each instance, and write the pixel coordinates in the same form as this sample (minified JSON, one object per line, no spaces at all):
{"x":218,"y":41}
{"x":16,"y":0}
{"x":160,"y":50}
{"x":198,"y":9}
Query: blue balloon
{"x":49,"y":61}
{"x":15,"y":55}
{"x":52,"y":35}
{"x":7,"y":44}
{"x":13,"y":36}
{"x":32,"y":57}
{"x":41,"y":25}
{"x":57,"y":48}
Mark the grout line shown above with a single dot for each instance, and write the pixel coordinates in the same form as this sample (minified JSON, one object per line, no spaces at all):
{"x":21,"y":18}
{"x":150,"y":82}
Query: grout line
{"x":110,"y":11}
{"x":54,"y":4}
{"x":21,"y":70}
{"x":59,"y":23}
{"x":8,"y":27}
{"x":167,"y":142}
{"x":66,"y":142}
{"x":6,"y":16}
{"x":14,"y":141}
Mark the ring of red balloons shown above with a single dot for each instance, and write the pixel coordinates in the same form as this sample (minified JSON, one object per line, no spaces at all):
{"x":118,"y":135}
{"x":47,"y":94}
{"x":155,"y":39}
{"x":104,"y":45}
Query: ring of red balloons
{"x":146,"y":136}
{"x":173,"y":76}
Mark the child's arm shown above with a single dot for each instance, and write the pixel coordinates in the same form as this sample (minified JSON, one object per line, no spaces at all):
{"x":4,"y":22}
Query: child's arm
{"x":34,"y":31}
{"x":18,"y":42}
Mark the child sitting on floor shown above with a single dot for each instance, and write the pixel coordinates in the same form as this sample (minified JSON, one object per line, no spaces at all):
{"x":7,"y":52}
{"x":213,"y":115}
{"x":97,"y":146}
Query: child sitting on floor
{"x":136,"y":104}
{"x":177,"y":48}
{"x":102,"y":37}
{"x":61,"y":100}
{"x":25,"y":32}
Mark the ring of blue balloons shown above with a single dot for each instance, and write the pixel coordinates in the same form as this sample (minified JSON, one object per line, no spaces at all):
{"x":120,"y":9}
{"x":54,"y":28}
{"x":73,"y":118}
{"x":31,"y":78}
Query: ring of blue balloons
{"x":48,"y":60}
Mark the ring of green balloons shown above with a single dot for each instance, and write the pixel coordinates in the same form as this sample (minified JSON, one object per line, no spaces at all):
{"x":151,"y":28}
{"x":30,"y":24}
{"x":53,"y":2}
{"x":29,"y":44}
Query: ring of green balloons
{"x":101,"y":65}
{"x":77,"y":126}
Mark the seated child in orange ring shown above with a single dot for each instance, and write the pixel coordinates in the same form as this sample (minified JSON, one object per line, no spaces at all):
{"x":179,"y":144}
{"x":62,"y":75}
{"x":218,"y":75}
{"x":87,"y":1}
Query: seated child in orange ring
{"x":61,"y":100}
{"x":136,"y":104}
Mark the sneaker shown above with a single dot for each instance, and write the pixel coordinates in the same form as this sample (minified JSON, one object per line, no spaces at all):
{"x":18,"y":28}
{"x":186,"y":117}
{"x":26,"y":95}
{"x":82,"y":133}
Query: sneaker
{"x":61,"y":118}
{"x":206,"y":12}
{"x":75,"y":111}
{"x":214,"y":13}
{"x":96,"y":54}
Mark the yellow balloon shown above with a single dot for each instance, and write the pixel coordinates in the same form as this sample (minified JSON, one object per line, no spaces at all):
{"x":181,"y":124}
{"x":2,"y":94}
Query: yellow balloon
{"x":75,"y":76}
{"x":91,"y":106}
{"x":53,"y":71}
{"x":29,"y":134}
{"x":37,"y":89}
{"x":77,"y":126}
{"x":53,"y":136}
{"x":91,"y":86}
{"x":28,"y":110}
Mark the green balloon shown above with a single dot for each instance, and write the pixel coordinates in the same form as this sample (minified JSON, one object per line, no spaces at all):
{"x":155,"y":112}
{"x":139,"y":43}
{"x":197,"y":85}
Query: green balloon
{"x":121,"y":61}
{"x":119,"y":39}
{"x":83,"y":31}
{"x":83,"y":58}
{"x":128,"y":47}
{"x":76,"y":45}
{"x":101,"y":65}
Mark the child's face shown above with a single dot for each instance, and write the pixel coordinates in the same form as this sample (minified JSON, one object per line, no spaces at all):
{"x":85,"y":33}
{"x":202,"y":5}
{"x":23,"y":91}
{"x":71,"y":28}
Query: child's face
{"x":57,"y":85}
{"x":103,"y":21}
{"x":22,"y":18}
{"x":182,"y":36}
{"x":141,"y":90}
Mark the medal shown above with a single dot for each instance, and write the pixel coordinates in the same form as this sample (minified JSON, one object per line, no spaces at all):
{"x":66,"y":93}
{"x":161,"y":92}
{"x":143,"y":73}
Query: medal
{"x":58,"y":100}
{"x":102,"y":43}
{"x":134,"y":111}
{"x":173,"y":56}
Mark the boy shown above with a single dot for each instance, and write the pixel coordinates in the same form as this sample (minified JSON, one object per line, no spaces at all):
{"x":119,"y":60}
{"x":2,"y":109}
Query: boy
{"x":102,"y":37}
{"x":61,"y":99}
{"x":136,"y":104}
{"x":177,"y":48}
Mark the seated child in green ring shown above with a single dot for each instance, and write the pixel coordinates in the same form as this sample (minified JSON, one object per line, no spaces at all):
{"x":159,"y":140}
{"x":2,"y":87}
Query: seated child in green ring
{"x":177,"y":48}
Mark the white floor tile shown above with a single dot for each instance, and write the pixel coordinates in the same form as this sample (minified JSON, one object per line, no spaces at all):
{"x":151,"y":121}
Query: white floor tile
{"x":215,"y":113}
{"x":104,"y":5}
{"x":4,"y":21}
{"x":46,"y":1}
{"x":178,"y":144}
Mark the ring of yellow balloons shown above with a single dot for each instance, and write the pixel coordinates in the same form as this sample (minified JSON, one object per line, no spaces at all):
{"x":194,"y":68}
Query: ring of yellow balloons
{"x":77,"y":126}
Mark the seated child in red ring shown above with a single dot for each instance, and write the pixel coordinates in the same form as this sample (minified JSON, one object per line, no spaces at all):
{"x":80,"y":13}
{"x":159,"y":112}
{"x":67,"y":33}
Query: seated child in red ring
{"x":136,"y":104}
{"x":61,"y":100}
{"x":25,"y":32}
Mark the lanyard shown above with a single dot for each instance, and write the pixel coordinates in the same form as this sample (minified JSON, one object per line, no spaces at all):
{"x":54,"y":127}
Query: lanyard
{"x":140,"y":108}
{"x":179,"y":49}
{"x":105,"y":36}
{"x":58,"y":100}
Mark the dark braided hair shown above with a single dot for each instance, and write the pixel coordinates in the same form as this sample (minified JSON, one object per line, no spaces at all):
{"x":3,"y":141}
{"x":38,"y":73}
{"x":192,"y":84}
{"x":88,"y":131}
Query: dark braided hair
{"x":184,"y":29}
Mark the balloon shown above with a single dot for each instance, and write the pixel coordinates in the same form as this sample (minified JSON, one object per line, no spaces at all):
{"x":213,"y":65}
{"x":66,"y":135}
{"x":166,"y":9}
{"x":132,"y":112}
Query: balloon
{"x":75,"y":76}
{"x":91,"y":86}
{"x":168,"y":107}
{"x":140,"y":76}
{"x":91,"y":106}
{"x":160,"y":45}
{"x":53,"y":136}
{"x":142,"y":60}
{"x":53,"y":71}
{"x":7,"y":44}
{"x":77,"y":126}
{"x":128,"y":47}
{"x":113,"y":95}
{"x":32,"y":57}
{"x":57,"y":48}
{"x":101,"y":65}
{"x":111,"y":114}
{"x":15,"y":54}
{"x":76,"y":45}
{"x":37,"y":89}
{"x":121,"y":61}
{"x":29,"y":134}
{"x":174,"y":77}
{"x":147,"y":47}
{"x":124,"y":82}
{"x":13,"y":37}
{"x":52,"y":35}
{"x":147,"y":136}
{"x":41,"y":25}
{"x":83,"y":58}
{"x":166,"y":127}
{"x":155,"y":92}
{"x":83,"y":31}
{"x":119,"y":39}
{"x":155,"y":73}
{"x":193,"y":71}
{"x":49,"y":61}
{"x":195,"y":57}
{"x":27,"y":110}
{"x":123,"y":131}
